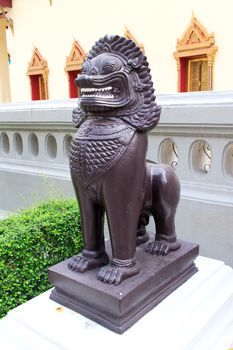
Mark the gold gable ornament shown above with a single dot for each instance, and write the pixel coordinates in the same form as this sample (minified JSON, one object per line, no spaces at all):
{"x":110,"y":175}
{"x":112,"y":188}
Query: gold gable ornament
{"x":195,"y":35}
{"x":130,"y":36}
{"x":76,"y":57}
{"x":37,"y":65}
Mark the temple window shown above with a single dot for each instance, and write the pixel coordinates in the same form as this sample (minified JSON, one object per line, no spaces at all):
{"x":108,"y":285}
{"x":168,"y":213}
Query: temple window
{"x":195,"y":58}
{"x":73,"y":67}
{"x":37,"y":87}
{"x":38,"y":75}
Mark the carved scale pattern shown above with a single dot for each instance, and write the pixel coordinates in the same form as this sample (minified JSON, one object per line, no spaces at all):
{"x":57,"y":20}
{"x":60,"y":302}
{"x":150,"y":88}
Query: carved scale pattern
{"x":76,"y":157}
{"x":99,"y":154}
{"x":90,"y":159}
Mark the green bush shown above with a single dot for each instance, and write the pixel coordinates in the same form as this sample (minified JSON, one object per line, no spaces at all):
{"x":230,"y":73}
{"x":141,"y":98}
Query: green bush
{"x":32,"y":241}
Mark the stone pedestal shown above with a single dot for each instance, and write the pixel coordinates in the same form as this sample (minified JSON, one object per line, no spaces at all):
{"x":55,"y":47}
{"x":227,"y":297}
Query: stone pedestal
{"x":119,"y":307}
{"x":196,"y":316}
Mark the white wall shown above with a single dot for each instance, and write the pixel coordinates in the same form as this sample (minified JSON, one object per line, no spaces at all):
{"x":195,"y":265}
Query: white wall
{"x":156,"y":24}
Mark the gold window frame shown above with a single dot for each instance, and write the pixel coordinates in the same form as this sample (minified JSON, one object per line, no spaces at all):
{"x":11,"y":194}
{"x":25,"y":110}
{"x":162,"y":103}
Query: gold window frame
{"x":41,"y":87}
{"x":196,"y":42}
{"x":74,"y":62}
{"x":39,"y":66}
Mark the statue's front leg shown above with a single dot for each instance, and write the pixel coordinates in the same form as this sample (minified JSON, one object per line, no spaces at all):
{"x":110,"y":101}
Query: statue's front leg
{"x":123,"y":195}
{"x":92,"y":217}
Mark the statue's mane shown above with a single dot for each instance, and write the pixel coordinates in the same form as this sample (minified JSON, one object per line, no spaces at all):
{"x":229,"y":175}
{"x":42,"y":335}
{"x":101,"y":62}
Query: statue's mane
{"x":148,"y":115}
{"x":115,"y":43}
{"x":129,"y":50}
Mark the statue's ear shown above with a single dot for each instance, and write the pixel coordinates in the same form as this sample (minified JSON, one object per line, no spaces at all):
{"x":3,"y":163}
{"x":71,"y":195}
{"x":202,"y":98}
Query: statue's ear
{"x":136,"y":62}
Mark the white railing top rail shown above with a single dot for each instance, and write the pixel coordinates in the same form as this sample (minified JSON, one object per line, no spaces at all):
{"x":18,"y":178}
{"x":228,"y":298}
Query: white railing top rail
{"x":198,"y":103}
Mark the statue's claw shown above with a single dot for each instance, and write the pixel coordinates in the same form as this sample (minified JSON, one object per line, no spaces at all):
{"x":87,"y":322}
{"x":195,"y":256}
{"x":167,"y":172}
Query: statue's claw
{"x":115,"y":275}
{"x":161,"y":247}
{"x":78,"y":263}
{"x":110,"y":275}
{"x":81,"y":263}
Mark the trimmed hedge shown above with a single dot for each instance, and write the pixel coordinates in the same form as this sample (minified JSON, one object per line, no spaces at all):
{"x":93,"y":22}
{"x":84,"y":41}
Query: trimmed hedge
{"x":32,"y":241}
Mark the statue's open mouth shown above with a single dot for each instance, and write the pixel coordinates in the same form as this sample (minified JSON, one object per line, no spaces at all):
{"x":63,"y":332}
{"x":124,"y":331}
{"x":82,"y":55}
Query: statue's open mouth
{"x":106,"y":92}
{"x":110,"y":91}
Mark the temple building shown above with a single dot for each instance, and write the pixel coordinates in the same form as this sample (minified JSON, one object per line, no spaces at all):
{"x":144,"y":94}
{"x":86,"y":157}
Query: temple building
{"x":43,"y":44}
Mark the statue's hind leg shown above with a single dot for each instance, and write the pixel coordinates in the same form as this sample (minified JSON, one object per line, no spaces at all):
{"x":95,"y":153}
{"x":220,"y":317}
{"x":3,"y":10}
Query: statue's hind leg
{"x":165,"y":198}
{"x":142,"y":234}
{"x":92,"y":216}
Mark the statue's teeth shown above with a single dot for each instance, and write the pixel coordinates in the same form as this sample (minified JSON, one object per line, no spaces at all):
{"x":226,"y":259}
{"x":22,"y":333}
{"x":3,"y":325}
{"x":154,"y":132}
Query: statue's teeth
{"x":88,"y":92}
{"x":108,"y":88}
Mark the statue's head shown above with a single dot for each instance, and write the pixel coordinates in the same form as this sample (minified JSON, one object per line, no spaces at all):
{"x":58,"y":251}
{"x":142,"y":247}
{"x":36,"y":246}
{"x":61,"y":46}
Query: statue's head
{"x":115,"y":78}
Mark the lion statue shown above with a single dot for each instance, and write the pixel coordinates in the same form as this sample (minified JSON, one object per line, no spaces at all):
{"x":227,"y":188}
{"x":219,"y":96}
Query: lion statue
{"x":108,"y":164}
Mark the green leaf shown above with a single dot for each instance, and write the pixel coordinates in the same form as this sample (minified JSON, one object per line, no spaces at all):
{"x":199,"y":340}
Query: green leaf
{"x":32,"y":241}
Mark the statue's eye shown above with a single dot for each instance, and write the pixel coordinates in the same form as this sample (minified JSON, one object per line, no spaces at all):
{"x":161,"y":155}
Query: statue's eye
{"x":108,"y":68}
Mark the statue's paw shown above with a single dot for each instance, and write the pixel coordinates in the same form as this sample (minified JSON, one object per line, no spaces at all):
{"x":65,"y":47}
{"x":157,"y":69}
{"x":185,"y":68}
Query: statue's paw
{"x":115,"y":275}
{"x":161,"y":247}
{"x":110,"y":275}
{"x":78,"y":264}
{"x":82,"y":263}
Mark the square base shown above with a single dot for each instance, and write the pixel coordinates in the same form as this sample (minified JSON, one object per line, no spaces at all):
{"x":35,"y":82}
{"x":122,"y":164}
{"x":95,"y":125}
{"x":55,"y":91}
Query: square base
{"x":119,"y":307}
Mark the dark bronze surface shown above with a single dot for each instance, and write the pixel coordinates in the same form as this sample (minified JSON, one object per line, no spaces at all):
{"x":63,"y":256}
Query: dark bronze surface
{"x":118,"y":284}
{"x":108,"y":162}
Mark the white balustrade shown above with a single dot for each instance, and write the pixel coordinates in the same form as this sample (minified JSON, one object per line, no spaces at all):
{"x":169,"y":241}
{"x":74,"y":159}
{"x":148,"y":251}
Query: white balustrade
{"x":194,"y":136}
{"x":34,"y":151}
